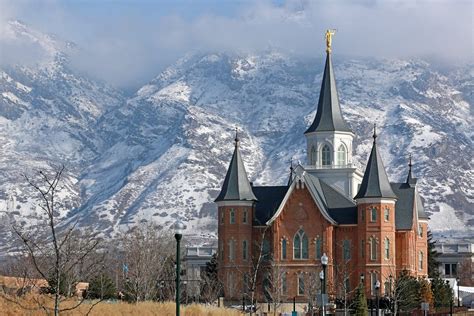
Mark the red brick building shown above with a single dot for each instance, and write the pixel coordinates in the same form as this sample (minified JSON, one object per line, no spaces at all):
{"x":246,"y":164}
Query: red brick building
{"x":271,"y":238}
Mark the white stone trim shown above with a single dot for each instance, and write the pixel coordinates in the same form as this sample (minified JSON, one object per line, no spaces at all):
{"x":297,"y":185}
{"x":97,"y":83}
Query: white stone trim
{"x":376,"y":200}
{"x":234,"y":203}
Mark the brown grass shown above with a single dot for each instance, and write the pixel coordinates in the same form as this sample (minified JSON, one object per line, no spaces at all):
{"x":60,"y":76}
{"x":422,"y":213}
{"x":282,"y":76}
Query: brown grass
{"x":29,"y":307}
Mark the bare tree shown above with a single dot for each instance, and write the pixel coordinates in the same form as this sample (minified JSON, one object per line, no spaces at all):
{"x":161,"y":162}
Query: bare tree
{"x":55,"y":251}
{"x":148,"y":263}
{"x":313,"y":288}
{"x":344,"y":270}
{"x":274,"y":285}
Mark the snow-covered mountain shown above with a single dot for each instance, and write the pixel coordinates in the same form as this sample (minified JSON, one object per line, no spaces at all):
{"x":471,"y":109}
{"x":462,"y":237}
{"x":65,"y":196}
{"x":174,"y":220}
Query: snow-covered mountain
{"x":162,"y":154}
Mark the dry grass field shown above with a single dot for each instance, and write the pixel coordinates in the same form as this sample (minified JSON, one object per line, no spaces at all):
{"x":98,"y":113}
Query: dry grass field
{"x":30,"y":308}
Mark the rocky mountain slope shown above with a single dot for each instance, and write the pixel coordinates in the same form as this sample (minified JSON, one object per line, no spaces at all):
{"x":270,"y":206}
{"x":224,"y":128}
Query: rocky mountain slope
{"x":162,"y":153}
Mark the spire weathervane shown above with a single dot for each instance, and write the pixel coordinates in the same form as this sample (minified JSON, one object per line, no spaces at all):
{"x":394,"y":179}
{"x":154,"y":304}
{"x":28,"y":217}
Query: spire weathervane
{"x":329,"y":34}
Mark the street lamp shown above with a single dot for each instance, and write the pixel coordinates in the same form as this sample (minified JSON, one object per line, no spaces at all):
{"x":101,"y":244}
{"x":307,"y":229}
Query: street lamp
{"x":178,"y":234}
{"x":377,"y":288}
{"x":390,"y":278}
{"x":321,"y":277}
{"x":457,"y":282}
{"x":324,"y":262}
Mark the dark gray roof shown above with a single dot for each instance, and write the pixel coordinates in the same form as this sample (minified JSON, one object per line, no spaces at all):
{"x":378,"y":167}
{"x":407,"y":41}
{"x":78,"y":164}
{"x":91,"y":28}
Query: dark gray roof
{"x":328,"y":115}
{"x":375,"y":182}
{"x":404,"y":206}
{"x":236,"y":185}
{"x":340,"y":208}
{"x":269,"y":199}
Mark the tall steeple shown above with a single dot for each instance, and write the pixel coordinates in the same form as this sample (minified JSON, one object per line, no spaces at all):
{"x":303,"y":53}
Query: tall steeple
{"x":375,"y":183}
{"x":328,"y":115}
{"x":410,"y":180}
{"x":236,"y":185}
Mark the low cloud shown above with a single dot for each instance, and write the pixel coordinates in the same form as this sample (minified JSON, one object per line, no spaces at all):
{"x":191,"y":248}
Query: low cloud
{"x":129,"y":47}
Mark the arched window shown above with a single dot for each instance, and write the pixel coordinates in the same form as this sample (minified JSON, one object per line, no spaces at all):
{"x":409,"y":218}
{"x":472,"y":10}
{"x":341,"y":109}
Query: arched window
{"x":420,"y":260}
{"x":346,"y":249}
{"x":231,"y":250}
{"x":313,"y":155}
{"x":373,"y":214}
{"x":326,"y":155}
{"x":319,"y":246}
{"x":373,"y":249}
{"x":341,"y":155}
{"x":300,"y":284}
{"x":300,"y":245}
{"x":387,"y":248}
{"x":387,"y":214}
{"x":283,"y":249}
{"x":232,"y":216}
{"x":245,"y":250}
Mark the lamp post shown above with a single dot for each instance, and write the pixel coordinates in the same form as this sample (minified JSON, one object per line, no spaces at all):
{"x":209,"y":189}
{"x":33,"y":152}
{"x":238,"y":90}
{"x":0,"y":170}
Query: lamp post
{"x":324,"y":263}
{"x":377,"y":288}
{"x":390,"y":279}
{"x":178,"y":234}
{"x":457,"y":282}
{"x":321,"y":278}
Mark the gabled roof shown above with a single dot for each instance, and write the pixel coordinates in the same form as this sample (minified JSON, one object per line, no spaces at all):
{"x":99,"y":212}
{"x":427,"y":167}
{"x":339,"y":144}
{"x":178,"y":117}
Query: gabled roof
{"x":333,"y":204}
{"x":269,"y":199}
{"x":328,"y":115}
{"x":375,"y":183}
{"x":236,"y":186}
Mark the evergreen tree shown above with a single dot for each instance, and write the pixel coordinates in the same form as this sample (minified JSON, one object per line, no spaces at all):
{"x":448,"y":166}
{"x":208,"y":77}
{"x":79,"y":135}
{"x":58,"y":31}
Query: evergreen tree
{"x":442,"y":292}
{"x":101,"y":287}
{"x":407,"y":292}
{"x":433,"y":270}
{"x":360,"y":301}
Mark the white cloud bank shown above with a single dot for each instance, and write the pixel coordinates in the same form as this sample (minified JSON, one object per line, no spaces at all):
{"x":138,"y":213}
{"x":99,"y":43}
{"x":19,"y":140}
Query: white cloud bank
{"x":130,"y":45}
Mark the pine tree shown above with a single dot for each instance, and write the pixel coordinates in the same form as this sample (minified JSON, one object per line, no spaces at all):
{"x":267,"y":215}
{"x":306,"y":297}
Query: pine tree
{"x":101,"y":287}
{"x":360,"y":302}
{"x":442,"y":292}
{"x":433,"y":270}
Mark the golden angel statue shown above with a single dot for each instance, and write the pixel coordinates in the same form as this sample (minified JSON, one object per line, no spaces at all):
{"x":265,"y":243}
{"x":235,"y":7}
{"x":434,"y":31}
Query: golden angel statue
{"x":329,"y":34}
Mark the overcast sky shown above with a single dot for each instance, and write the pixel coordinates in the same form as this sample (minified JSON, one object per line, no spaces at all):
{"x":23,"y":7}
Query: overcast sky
{"x":128,"y":42}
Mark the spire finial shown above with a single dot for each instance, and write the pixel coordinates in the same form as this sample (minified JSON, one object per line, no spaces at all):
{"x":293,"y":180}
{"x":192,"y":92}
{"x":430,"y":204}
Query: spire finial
{"x":329,"y":34}
{"x":375,"y":132}
{"x":291,"y":163}
{"x":409,"y":161}
{"x":236,"y":139}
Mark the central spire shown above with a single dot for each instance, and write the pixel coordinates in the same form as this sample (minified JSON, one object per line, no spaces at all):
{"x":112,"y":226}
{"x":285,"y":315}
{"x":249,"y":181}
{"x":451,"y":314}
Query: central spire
{"x":328,"y":116}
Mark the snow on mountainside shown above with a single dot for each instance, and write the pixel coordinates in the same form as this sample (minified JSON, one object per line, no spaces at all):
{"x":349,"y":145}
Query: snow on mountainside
{"x":163,"y":153}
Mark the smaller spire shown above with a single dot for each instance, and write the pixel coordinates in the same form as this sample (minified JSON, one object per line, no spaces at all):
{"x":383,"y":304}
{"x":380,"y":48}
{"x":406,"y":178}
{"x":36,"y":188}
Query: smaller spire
{"x":375,"y":183}
{"x":290,"y":180}
{"x":410,"y":180}
{"x":236,"y":186}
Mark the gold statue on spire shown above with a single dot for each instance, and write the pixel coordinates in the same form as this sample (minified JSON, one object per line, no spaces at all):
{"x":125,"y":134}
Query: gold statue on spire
{"x":329,"y":34}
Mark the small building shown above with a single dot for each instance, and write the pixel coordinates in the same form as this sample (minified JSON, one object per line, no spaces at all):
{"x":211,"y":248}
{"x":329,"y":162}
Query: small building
{"x":451,"y":256}
{"x":195,"y":261}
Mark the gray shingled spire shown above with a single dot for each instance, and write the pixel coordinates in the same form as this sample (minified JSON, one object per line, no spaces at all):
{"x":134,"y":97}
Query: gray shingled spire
{"x":328,"y":116}
{"x":236,"y":185}
{"x":410,"y":180}
{"x":375,"y":183}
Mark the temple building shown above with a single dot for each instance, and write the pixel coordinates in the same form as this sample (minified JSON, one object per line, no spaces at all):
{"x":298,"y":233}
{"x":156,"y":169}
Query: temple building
{"x":271,"y":238}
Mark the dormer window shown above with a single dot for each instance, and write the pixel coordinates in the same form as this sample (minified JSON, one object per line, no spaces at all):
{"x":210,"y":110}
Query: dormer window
{"x":326,"y":155}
